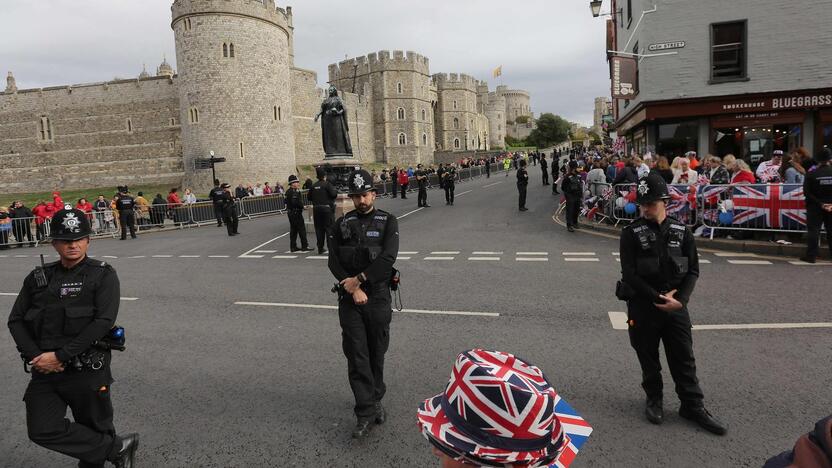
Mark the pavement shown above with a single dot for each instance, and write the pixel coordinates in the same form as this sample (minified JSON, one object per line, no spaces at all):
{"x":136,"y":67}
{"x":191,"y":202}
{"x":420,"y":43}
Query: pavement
{"x":234,"y":354}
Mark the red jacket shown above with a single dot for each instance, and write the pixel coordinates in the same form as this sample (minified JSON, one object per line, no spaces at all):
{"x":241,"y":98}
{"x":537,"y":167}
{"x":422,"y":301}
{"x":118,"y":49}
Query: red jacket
{"x":86,"y":207}
{"x":403,"y":179}
{"x":173,"y":199}
{"x":41,"y":213}
{"x":744,"y":177}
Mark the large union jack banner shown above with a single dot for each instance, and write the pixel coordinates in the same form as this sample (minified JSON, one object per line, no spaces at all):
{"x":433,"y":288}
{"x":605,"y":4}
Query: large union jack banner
{"x":679,"y":205}
{"x":770,"y":206}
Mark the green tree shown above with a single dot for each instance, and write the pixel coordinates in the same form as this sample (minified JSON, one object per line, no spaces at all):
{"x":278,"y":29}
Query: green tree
{"x":551,"y":130}
{"x":522,"y":119}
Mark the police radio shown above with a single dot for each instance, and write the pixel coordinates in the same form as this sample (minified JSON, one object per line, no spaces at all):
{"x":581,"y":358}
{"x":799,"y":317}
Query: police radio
{"x":114,"y":339}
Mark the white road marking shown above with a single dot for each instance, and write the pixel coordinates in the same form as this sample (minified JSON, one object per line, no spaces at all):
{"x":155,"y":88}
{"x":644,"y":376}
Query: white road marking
{"x":8,"y":294}
{"x":750,"y":262}
{"x":332,"y":307}
{"x":582,"y":259}
{"x":491,"y":185}
{"x":285,"y":256}
{"x":590,"y":254}
{"x":532,"y":253}
{"x":265,"y":251}
{"x":403,"y":258}
{"x":801,"y":263}
{"x":108,"y":256}
{"x":617,"y":254}
{"x":734,"y":254}
{"x":137,"y":256}
{"x":449,"y":252}
{"x":20,"y":256}
{"x":618,"y":320}
{"x":218,"y":256}
{"x":618,"y":260}
{"x":480,"y":252}
{"x":704,"y":261}
{"x":189,"y":256}
{"x":123,"y":298}
{"x":162,"y":256}
{"x":318,"y":257}
{"x":401,"y":252}
{"x":462,"y":193}
{"x":439,"y":258}
{"x":411,"y":212}
{"x":483,"y":259}
{"x":297,"y":252}
{"x":532,"y":259}
{"x":4,"y":256}
{"x":247,"y":254}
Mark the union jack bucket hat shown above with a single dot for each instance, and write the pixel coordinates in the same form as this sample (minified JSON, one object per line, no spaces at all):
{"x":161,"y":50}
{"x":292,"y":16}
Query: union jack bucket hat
{"x":499,"y":410}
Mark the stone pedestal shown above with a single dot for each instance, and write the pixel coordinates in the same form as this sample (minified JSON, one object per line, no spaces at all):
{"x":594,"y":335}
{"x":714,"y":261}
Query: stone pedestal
{"x":338,"y":170}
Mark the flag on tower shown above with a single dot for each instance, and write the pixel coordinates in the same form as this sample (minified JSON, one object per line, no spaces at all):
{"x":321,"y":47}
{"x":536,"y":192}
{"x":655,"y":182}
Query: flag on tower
{"x":498,"y":71}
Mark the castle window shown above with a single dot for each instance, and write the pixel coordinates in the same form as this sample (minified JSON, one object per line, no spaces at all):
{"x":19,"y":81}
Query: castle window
{"x":456,"y":123}
{"x":187,"y":23}
{"x":455,"y":105}
{"x":472,"y":125}
{"x":456,"y":143}
{"x":400,"y":113}
{"x":402,"y":139}
{"x":275,"y":112}
{"x":225,"y":50}
{"x":424,"y":115}
{"x":129,"y":125}
{"x":172,"y":122}
{"x":242,"y":151}
{"x":45,"y":129}
{"x":499,"y":126}
{"x":279,"y":113}
{"x":193,"y":115}
{"x":399,"y":88}
{"x":499,"y":116}
{"x":231,"y":50}
{"x":424,"y":139}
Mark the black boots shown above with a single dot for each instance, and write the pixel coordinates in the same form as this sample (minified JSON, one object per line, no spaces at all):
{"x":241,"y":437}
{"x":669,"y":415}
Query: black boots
{"x":654,"y":410}
{"x":381,"y":415}
{"x":126,"y":455}
{"x":701,"y":416}
{"x":362,"y":429}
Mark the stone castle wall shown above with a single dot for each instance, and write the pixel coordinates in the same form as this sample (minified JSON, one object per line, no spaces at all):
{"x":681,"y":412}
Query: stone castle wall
{"x":82,"y":136}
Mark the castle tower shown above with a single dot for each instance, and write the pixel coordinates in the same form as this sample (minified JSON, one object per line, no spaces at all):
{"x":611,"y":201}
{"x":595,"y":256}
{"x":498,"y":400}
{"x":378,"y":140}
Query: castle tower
{"x":518,"y":103}
{"x":234,"y":59}
{"x":11,"y":84}
{"x":402,"y":105}
{"x":456,"y":115}
{"x":495,"y":110}
{"x":164,"y":69}
{"x":144,"y":74}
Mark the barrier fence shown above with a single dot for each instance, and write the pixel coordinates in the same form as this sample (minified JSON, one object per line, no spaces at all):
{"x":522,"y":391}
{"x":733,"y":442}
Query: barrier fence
{"x":105,"y":223}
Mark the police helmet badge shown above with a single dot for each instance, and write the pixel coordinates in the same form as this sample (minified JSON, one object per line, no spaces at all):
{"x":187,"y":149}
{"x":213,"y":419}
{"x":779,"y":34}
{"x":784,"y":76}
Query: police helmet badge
{"x":358,"y":181}
{"x":67,"y":206}
{"x":643,"y":188}
{"x":71,"y":223}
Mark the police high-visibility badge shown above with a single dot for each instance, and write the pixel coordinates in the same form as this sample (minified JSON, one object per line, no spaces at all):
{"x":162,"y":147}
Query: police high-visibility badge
{"x":358,"y":181}
{"x":71,"y":223}
{"x":643,"y":188}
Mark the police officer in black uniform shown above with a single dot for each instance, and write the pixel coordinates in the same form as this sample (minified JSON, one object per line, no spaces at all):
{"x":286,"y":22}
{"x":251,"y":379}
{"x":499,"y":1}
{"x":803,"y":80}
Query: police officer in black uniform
{"x":449,"y":183}
{"x":322,"y":196}
{"x":229,"y":210}
{"x":572,"y":188}
{"x":126,"y":216}
{"x":216,"y":196}
{"x":544,"y":167}
{"x":522,"y":183}
{"x":659,"y":269}
{"x":364,"y":244}
{"x":422,"y":182}
{"x":62,"y":314}
{"x":818,"y":190}
{"x":294,"y":210}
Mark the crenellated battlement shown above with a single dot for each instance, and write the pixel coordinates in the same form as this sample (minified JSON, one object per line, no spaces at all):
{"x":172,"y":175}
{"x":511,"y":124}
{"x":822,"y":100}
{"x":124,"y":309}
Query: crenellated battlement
{"x":380,"y":61}
{"x":446,"y":81}
{"x":265,"y":10}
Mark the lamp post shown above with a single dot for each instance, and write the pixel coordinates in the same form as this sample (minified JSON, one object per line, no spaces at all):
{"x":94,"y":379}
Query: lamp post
{"x":595,"y":6}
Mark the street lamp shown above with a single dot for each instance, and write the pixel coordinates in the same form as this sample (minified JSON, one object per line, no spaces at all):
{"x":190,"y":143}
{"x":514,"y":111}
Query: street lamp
{"x":595,"y":6}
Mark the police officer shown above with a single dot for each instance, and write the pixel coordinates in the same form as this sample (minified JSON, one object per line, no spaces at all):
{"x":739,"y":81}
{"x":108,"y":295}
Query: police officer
{"x":659,"y":269}
{"x":62,"y":311}
{"x":364,"y":244}
{"x":487,"y":168}
{"x":229,"y":210}
{"x":322,"y":196}
{"x":126,"y":216}
{"x":544,"y":168}
{"x":573,"y":190}
{"x":422,"y":182}
{"x":449,"y":183}
{"x":216,"y":195}
{"x":294,"y":210}
{"x":522,"y":183}
{"x":818,"y":190}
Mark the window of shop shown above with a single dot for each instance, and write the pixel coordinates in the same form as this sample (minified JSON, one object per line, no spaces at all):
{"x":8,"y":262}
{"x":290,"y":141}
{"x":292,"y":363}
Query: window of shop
{"x":728,"y":51}
{"x":676,"y":139}
{"x":824,"y":139}
{"x":756,"y":143}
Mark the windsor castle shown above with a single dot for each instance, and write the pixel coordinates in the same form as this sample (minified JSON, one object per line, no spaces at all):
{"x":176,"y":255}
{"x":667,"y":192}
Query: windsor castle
{"x":237,"y":92}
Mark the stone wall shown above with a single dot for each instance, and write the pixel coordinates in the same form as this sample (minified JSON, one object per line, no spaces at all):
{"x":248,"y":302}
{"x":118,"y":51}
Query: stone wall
{"x":86,"y":136}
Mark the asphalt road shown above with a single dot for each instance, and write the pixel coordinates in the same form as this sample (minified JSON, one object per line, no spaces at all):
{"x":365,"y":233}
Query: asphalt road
{"x":211,"y":382}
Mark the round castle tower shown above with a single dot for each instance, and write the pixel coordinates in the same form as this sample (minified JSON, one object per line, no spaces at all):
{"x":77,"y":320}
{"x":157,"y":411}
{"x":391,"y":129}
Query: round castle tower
{"x":495,"y":110}
{"x":456,"y":116}
{"x":517,"y":102}
{"x":234,"y":59}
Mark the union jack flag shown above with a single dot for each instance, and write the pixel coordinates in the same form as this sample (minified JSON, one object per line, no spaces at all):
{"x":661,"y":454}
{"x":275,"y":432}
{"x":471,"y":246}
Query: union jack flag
{"x":679,"y":204}
{"x":576,"y":431}
{"x":711,"y":195}
{"x":775,"y":206}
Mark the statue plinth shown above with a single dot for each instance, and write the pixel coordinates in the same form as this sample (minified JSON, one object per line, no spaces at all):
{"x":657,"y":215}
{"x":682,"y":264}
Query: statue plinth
{"x":338,"y":170}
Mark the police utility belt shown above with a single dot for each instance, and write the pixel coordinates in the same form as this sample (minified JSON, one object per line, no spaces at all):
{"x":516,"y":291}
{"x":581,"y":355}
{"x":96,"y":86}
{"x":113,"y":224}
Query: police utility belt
{"x":650,"y":266}
{"x":94,"y":358}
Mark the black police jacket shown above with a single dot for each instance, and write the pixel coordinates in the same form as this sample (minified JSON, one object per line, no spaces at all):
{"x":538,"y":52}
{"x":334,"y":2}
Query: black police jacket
{"x":75,"y":309}
{"x":125,"y":203}
{"x":294,"y":200}
{"x":818,"y":187}
{"x":450,"y":177}
{"x":323,"y":193}
{"x":422,"y":178}
{"x":226,"y":202}
{"x":364,"y":243}
{"x":522,"y":178}
{"x":215,"y":195}
{"x":657,"y":258}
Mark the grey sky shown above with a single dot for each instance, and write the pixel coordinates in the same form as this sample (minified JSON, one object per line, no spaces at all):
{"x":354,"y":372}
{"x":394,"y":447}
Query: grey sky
{"x":552,"y":48}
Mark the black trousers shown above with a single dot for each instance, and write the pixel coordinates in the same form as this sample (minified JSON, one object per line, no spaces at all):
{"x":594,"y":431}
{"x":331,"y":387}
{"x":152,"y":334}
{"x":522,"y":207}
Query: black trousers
{"x":323,"y":217}
{"x":573,"y":209}
{"x":91,"y":437}
{"x":218,"y":214}
{"x":297,"y":228}
{"x":814,"y":219}
{"x":647,"y":327}
{"x":487,"y":171}
{"x":404,"y":191}
{"x":545,"y":177}
{"x":229,"y":216}
{"x":395,"y":189}
{"x":449,"y":193}
{"x":422,"y":198}
{"x":365,"y":334}
{"x":127,"y":220}
{"x":522,"y":191}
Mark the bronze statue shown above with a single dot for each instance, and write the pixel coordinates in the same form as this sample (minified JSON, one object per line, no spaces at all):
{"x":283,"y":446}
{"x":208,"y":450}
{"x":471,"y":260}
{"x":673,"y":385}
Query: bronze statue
{"x":334,"y":129}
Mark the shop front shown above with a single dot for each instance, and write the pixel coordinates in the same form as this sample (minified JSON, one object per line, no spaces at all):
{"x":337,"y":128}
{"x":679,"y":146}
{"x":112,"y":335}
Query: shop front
{"x":748,"y":126}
